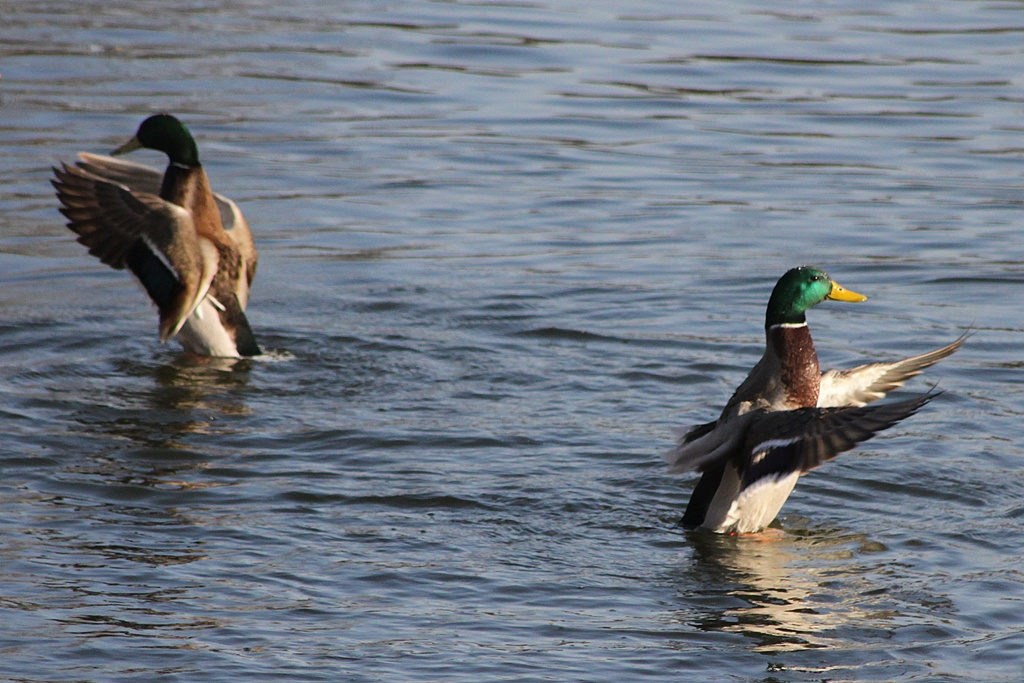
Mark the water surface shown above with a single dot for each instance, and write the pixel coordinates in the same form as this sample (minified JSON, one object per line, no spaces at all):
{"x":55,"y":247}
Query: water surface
{"x":506,"y":249}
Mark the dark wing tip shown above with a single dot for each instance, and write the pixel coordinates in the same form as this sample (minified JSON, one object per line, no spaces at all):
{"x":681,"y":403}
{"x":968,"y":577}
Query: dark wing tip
{"x":698,"y":431}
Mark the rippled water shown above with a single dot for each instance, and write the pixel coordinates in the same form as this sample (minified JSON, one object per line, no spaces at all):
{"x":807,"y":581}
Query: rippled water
{"x":506,"y":248}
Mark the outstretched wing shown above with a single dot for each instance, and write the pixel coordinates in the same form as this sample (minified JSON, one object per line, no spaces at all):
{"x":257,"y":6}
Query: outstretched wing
{"x":141,"y":179}
{"x":153,"y":238}
{"x":866,"y":383}
{"x":708,"y":444}
{"x":136,"y":177}
{"x":780,"y":443}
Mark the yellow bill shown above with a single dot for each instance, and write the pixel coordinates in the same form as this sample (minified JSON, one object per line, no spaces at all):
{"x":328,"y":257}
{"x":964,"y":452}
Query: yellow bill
{"x":840,"y":293}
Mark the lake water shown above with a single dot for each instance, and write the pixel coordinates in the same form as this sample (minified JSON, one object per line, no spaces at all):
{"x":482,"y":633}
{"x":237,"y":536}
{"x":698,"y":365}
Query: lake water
{"x":506,"y":248}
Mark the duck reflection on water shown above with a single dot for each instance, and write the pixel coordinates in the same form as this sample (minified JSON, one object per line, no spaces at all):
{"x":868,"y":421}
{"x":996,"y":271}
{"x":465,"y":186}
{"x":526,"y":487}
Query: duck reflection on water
{"x":787,"y":591}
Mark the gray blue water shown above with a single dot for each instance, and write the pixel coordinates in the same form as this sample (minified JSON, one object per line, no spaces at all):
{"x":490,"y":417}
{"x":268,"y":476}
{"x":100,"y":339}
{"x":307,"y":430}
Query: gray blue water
{"x":507,"y":248}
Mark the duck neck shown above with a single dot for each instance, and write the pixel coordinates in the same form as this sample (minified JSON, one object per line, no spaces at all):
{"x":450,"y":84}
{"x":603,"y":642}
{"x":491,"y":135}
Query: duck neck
{"x":799,"y":373}
{"x":189,"y":188}
{"x":179,"y":184}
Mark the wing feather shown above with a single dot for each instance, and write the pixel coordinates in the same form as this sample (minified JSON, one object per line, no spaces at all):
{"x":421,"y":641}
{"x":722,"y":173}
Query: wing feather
{"x":707,"y":445}
{"x":866,"y":383}
{"x":801,"y":440}
{"x":153,"y":238}
{"x":136,"y":177}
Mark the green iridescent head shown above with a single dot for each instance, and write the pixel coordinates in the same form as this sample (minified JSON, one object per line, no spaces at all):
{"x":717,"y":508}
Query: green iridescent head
{"x":802,"y":288}
{"x":166,"y":134}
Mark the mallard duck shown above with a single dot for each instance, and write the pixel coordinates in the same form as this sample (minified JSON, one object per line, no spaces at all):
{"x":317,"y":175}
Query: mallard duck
{"x":787,"y":417}
{"x":190,"y":248}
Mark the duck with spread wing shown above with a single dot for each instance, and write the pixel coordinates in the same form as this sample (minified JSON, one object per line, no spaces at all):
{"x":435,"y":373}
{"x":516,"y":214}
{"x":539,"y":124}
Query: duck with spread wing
{"x":787,"y":417}
{"x":191,"y":248}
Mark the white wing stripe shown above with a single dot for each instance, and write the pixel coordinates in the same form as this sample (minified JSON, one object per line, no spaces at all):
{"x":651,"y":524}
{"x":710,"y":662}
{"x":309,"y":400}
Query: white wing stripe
{"x":761,"y":449}
{"x":162,"y":256}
